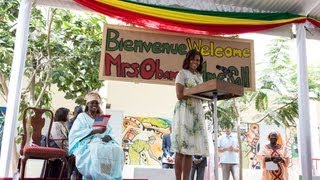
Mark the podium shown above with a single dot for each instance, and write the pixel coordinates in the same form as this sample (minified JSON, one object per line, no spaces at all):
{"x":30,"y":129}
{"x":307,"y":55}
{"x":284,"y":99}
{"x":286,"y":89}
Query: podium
{"x":222,"y":89}
{"x":214,"y":90}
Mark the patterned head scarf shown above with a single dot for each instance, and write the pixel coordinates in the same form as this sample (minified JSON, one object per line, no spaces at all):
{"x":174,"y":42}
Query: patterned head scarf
{"x":93,"y":96}
{"x":279,"y":141}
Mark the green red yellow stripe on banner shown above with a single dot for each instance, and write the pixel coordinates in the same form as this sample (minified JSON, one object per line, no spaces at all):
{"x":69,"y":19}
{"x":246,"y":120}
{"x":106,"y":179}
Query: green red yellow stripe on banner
{"x":191,"y":21}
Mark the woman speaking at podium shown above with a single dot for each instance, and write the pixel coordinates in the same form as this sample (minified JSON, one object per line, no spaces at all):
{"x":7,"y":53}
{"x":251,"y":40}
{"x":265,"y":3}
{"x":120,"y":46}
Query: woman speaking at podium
{"x":189,"y":134}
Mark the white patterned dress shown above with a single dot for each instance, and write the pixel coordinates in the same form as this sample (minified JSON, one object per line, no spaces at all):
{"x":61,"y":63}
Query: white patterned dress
{"x":189,"y":133}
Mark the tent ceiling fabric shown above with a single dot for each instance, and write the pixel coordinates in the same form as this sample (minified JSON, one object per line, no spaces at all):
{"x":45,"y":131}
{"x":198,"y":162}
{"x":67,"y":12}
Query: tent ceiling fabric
{"x":310,"y":8}
{"x":64,"y":4}
{"x":301,"y":7}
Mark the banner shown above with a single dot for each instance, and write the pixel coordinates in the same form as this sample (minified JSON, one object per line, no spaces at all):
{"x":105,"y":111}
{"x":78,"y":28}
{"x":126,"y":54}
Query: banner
{"x":150,"y":56}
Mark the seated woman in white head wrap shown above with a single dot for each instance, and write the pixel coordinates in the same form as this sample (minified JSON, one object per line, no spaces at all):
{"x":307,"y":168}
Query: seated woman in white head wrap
{"x":98,"y":155}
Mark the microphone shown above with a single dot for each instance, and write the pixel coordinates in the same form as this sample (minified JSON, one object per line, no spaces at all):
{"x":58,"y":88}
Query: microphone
{"x":223,"y":69}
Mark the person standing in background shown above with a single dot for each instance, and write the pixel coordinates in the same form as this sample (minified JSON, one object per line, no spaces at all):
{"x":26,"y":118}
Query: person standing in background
{"x":77,"y":110}
{"x":228,"y":147}
{"x":274,"y":159}
{"x":199,"y":164}
{"x":189,"y":133}
{"x":168,"y":155}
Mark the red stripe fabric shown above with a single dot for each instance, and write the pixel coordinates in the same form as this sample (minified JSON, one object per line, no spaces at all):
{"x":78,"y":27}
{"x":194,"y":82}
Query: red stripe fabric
{"x":314,"y":22}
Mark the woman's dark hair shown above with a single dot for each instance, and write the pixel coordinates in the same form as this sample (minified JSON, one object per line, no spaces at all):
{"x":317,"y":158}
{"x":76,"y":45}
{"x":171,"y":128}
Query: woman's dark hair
{"x":190,"y":55}
{"x":61,"y":114}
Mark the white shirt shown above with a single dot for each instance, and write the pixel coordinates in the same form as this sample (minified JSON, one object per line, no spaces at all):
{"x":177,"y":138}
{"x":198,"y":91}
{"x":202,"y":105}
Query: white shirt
{"x":228,"y":157}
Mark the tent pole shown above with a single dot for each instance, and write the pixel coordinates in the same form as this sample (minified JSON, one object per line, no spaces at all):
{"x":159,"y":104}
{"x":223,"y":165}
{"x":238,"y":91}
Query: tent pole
{"x":17,"y":70}
{"x":304,"y":135}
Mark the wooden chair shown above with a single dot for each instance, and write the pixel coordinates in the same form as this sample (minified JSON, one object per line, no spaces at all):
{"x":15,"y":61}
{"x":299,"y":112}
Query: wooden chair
{"x":38,"y":118}
{"x":51,"y":169}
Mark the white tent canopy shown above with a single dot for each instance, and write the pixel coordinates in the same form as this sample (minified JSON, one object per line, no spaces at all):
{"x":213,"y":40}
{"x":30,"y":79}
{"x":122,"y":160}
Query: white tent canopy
{"x":310,"y":8}
{"x":301,"y":7}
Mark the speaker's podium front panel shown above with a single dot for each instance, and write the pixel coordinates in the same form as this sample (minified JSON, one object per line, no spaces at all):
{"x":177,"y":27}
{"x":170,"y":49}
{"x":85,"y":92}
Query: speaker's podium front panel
{"x":223,"y":90}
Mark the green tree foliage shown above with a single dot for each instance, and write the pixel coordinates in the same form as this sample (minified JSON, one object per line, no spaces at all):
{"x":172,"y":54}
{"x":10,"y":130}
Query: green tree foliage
{"x":63,"y":49}
{"x":8,"y":15}
{"x":78,"y":39}
{"x":277,"y":96}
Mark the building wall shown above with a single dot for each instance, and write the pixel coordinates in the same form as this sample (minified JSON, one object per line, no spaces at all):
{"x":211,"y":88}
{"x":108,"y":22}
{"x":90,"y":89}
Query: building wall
{"x":57,"y":101}
{"x":140,"y":99}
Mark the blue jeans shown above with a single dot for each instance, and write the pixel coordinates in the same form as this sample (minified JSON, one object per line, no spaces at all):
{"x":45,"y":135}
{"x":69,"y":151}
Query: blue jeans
{"x":200,"y":172}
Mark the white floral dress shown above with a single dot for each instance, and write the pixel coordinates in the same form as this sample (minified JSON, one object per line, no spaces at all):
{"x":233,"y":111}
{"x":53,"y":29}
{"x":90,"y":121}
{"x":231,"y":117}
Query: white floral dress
{"x":189,"y":133}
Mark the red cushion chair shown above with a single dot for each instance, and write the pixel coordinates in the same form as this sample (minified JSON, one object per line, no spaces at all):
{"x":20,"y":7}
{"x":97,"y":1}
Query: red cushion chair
{"x":38,"y":119}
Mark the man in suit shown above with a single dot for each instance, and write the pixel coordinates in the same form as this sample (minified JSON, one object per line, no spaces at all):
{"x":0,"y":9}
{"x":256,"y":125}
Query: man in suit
{"x":168,"y":155}
{"x":199,"y":164}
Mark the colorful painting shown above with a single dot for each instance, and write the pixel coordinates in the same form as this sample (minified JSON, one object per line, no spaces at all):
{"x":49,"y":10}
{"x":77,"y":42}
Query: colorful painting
{"x":292,"y":142}
{"x":2,"y":112}
{"x":142,"y":139}
{"x":250,"y":147}
{"x":292,"y":145}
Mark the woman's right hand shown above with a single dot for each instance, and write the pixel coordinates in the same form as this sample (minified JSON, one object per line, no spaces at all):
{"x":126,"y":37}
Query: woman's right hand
{"x":99,"y":130}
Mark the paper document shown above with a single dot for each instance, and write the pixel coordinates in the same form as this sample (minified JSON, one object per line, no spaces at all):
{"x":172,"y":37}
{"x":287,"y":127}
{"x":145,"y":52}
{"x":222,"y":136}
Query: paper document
{"x":165,"y":160}
{"x":271,"y":166}
{"x":101,"y":121}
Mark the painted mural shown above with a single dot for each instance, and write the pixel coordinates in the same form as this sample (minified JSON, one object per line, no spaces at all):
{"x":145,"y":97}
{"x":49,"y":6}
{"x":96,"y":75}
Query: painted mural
{"x":2,"y":113}
{"x":142,"y":139}
{"x":2,"y":116}
{"x":292,"y":145}
{"x":250,"y":147}
{"x":292,"y":141}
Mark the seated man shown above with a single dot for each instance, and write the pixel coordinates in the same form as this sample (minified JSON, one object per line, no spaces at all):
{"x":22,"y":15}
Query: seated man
{"x":168,"y":155}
